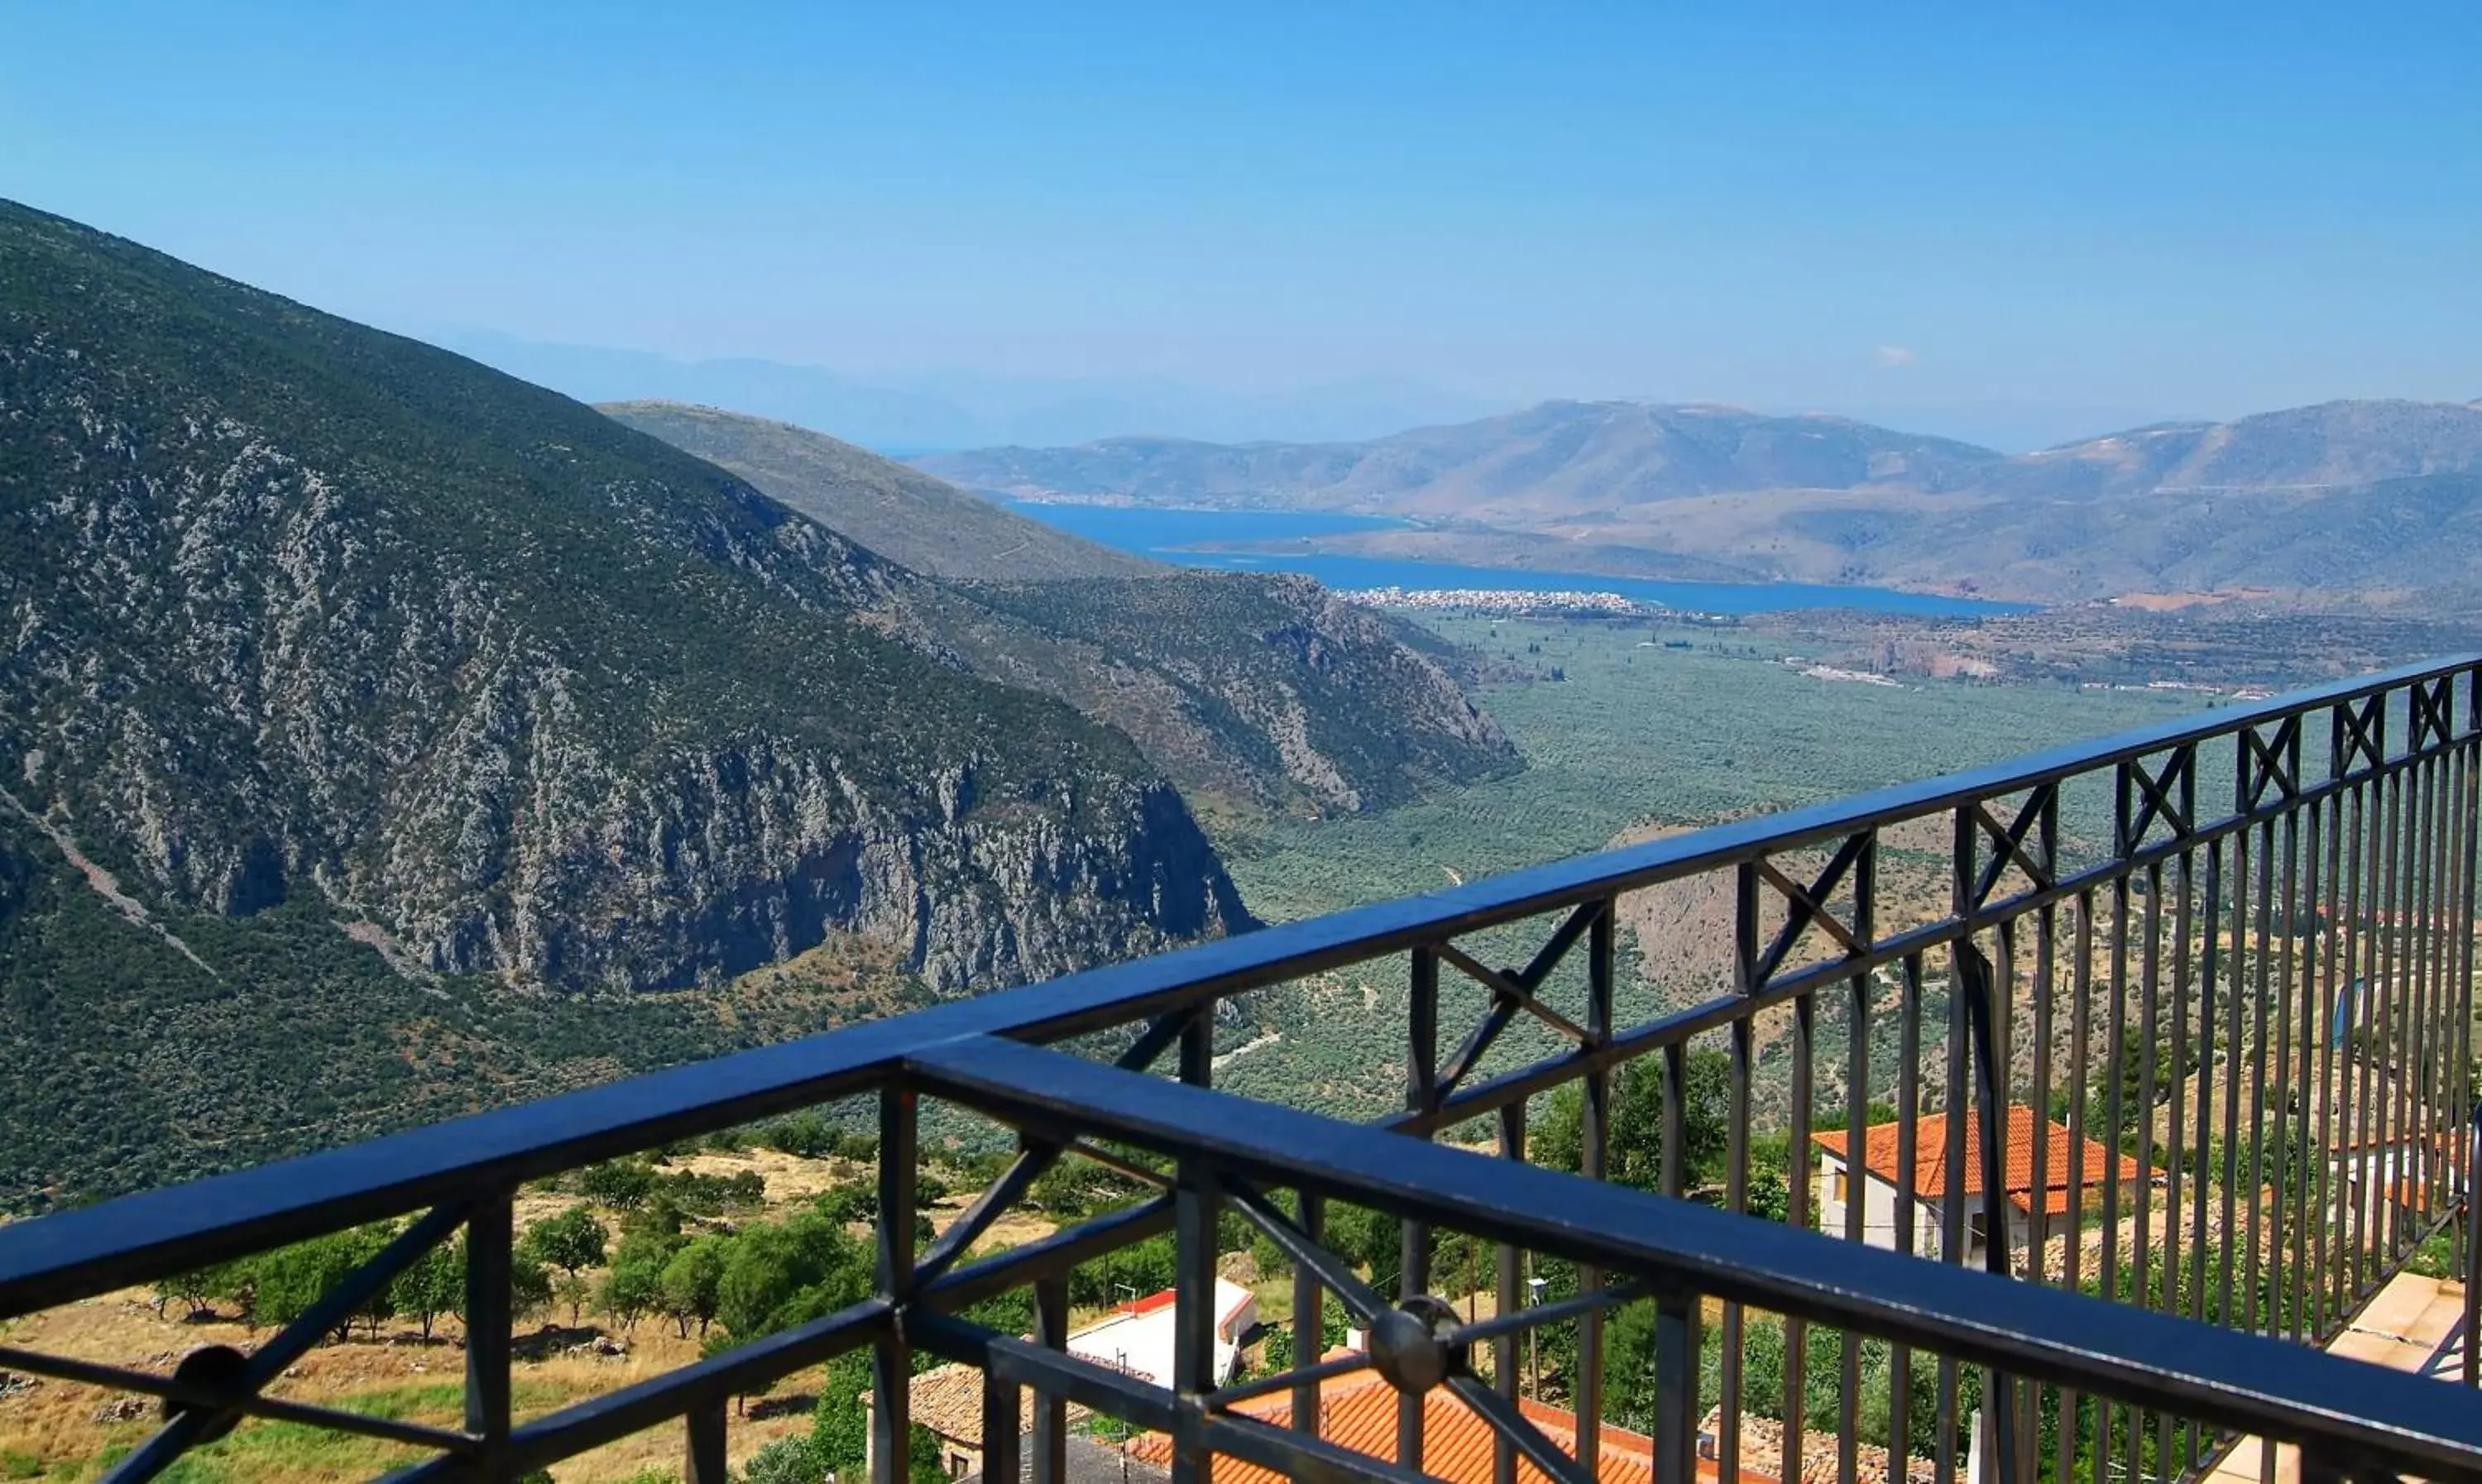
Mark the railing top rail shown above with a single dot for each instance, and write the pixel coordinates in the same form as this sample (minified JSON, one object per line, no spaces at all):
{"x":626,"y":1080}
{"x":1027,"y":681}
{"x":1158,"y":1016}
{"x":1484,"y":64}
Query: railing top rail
{"x":2355,"y":1412}
{"x":80,"y":1252}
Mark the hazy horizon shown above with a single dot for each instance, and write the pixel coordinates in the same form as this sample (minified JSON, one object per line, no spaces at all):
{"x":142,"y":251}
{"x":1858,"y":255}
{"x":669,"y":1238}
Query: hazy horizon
{"x":2013,"y":229}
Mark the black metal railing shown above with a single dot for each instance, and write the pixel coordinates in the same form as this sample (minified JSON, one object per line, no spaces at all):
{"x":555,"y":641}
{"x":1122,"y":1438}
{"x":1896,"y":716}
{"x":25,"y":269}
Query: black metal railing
{"x":2161,"y":1045}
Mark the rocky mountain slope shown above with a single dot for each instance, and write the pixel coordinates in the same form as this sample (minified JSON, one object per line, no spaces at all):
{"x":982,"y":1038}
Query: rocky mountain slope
{"x":1253,"y":693}
{"x":2315,"y":505}
{"x":900,"y":513}
{"x":297,"y":606}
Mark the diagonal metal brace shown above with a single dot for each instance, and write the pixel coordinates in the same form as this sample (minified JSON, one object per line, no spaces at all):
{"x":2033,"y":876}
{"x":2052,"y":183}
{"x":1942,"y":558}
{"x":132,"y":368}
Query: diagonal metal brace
{"x":1504,"y":1418}
{"x":1809,"y":907}
{"x":1038,"y":1156}
{"x":1357,"y":1296}
{"x":1509,"y":987}
{"x":2011,"y":840}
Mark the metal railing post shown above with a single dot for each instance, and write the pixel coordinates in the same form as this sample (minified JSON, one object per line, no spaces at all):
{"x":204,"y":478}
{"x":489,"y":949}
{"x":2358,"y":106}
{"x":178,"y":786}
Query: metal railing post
{"x":490,"y":1253}
{"x":891,"y":1356}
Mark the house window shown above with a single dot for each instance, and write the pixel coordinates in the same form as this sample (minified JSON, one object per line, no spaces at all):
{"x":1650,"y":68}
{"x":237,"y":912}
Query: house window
{"x":1839,"y":1197}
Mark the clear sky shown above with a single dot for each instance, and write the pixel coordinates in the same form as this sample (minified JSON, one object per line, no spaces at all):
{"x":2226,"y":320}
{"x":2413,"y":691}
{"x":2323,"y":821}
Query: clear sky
{"x":2185,"y":207}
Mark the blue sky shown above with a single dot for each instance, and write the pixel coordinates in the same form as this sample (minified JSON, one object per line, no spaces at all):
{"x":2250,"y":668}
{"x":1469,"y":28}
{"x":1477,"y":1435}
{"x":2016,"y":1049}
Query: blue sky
{"x":2191,"y":209}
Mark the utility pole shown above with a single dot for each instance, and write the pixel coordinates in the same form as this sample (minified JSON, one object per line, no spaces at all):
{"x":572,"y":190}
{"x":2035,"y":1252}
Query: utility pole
{"x":1533,"y":1336}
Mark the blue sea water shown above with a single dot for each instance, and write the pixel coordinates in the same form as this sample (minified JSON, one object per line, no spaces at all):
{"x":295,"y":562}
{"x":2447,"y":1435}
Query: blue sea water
{"x":1172,"y":535}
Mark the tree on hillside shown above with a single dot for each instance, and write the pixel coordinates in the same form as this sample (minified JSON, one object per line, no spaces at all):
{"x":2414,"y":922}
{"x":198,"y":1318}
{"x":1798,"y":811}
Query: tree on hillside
{"x":569,"y":1241}
{"x":687,"y":1289}
{"x":780,"y":1274}
{"x":635,"y":1285}
{"x":290,"y":1280}
{"x":620,"y":1183}
{"x":434,"y":1286}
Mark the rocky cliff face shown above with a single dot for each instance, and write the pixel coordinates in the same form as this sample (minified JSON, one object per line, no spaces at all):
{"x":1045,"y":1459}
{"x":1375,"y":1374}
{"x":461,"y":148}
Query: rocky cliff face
{"x":289,"y":605}
{"x":1255,"y":693}
{"x":1251,"y":692}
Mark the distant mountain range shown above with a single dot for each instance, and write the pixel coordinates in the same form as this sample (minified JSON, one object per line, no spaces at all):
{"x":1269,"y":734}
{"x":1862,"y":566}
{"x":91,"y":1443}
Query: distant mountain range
{"x":966,"y":410}
{"x":2365,"y":498}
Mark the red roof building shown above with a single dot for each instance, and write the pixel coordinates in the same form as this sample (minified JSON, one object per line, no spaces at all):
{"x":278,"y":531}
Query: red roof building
{"x":2069,"y":1168}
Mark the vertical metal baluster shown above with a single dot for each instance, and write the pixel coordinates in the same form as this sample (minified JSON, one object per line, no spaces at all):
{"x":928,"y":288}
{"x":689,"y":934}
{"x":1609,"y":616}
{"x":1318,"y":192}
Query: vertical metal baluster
{"x":1192,"y":1356}
{"x":2416,"y":1092}
{"x":2148,"y":1028}
{"x":1193,"y":1309}
{"x":2051,"y":1164}
{"x":1975,"y":987}
{"x":2387,"y":1022}
{"x":1050,"y":1408}
{"x":1594,"y":1155}
{"x":2283,"y":1226}
{"x":1746,"y":887}
{"x":1421,"y":1097}
{"x":1309,"y":1316}
{"x":1797,"y":1189}
{"x":2361,"y":986}
{"x":2236,"y":1049}
{"x":2263,"y":1221}
{"x":2332,"y":979}
{"x":1003,"y":1430}
{"x":2116,"y":1041}
{"x":1503,"y":1347}
{"x":2186,"y":916}
{"x":2186,"y":1285}
{"x":1956,"y":1109}
{"x":2422,"y":1029}
{"x":707,"y":1461}
{"x":2071,"y":1443}
{"x":489,"y":1250}
{"x":2443,"y":894}
{"x":1857,"y":1134}
{"x":892,"y":1358}
{"x":1909,"y":1113}
{"x":2467,"y":814}
{"x":2178,"y":1157}
{"x":2438,"y":1042}
{"x":2030,"y":1395}
{"x":1675,"y":1388}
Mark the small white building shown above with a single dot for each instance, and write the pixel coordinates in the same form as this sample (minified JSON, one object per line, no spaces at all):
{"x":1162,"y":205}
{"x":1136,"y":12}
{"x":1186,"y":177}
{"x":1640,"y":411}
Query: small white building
{"x":1138,"y":1336}
{"x":1875,"y":1177}
{"x":2414,"y":1172}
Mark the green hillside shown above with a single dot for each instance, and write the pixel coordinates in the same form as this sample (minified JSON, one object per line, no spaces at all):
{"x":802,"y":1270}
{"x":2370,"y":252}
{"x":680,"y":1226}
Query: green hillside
{"x":898,"y":511}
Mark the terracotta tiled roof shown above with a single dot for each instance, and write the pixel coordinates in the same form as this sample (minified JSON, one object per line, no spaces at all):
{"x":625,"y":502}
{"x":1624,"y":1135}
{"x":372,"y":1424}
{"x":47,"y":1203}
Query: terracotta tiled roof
{"x":1931,"y":1175}
{"x":1359,"y":1411}
{"x":948,"y":1400}
{"x":1821,"y":1456}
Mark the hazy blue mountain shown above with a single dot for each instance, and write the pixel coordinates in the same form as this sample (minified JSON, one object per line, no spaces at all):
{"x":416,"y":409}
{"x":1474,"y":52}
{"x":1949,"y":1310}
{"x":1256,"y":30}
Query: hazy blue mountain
{"x":1560,"y":458}
{"x":966,"y":410}
{"x":2332,"y":499}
